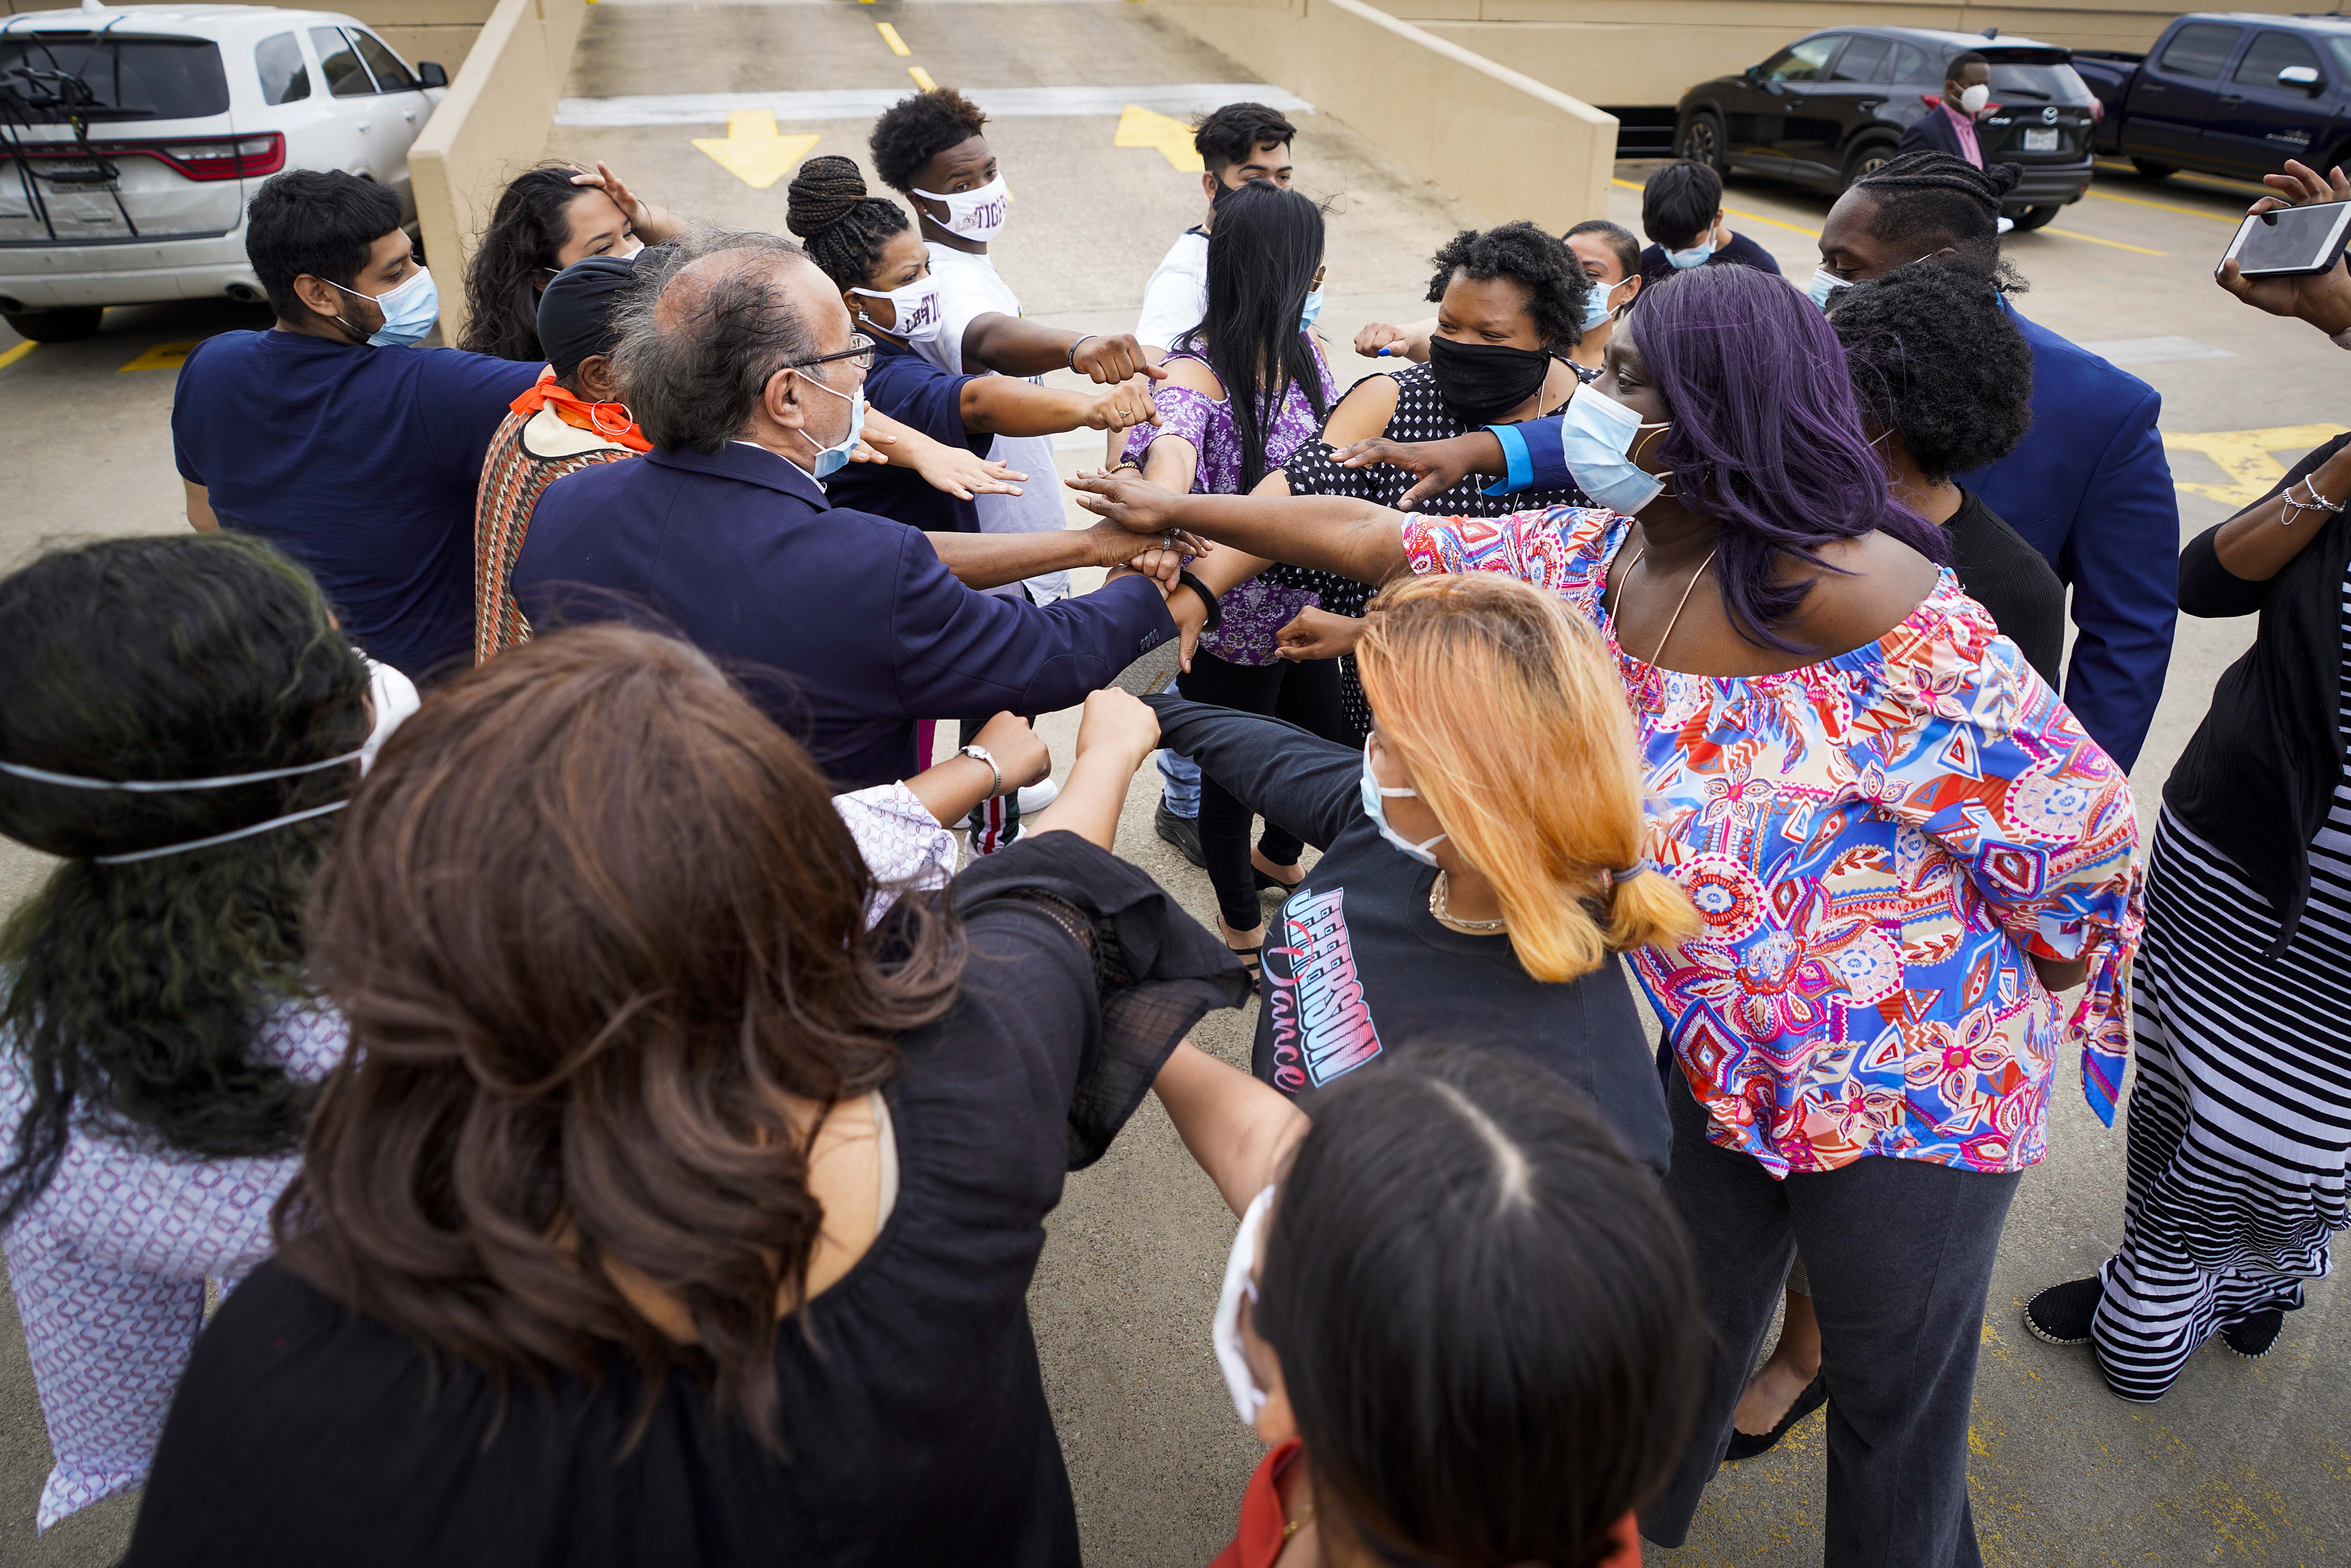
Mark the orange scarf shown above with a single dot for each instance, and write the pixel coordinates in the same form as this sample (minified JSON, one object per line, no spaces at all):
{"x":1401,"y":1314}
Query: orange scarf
{"x":610,"y":420}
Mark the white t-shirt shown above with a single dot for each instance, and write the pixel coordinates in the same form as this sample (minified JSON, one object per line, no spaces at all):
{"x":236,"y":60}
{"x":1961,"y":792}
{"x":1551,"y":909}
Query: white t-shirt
{"x":970,"y":287}
{"x":1176,"y":301}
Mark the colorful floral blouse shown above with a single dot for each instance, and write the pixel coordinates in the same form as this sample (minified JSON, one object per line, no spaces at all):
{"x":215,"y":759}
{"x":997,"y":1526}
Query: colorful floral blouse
{"x":1878,"y":844}
{"x":1256,"y":610}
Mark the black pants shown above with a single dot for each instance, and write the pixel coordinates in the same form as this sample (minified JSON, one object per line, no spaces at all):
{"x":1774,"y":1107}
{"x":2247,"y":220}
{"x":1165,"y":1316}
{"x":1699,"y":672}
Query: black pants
{"x":1307,"y":694}
{"x":1900,"y":1253}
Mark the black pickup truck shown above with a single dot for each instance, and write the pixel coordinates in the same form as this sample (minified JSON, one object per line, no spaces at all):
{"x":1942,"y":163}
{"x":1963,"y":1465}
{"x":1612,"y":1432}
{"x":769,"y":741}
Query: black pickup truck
{"x":2227,"y":92}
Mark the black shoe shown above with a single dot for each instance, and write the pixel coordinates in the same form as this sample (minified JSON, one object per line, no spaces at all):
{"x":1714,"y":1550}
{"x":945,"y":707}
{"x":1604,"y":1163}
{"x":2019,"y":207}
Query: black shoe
{"x":2253,"y":1338}
{"x":1184,"y":833}
{"x":1746,"y":1445}
{"x":1274,"y":884}
{"x":2062,"y":1313}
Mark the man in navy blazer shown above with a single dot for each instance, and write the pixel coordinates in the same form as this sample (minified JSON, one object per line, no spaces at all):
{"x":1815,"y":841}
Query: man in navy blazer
{"x":741,"y":367}
{"x":1949,"y":126}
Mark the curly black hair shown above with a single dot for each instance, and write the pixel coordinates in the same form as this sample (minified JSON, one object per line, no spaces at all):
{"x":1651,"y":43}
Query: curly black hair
{"x":1539,"y":262}
{"x":842,"y":228}
{"x":1935,"y":360}
{"x":1931,"y":200}
{"x":917,"y":128}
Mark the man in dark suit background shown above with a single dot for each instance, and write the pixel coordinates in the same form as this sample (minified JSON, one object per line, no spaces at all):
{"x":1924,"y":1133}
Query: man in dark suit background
{"x":2088,"y":486}
{"x":742,"y":369}
{"x":1951,"y":126}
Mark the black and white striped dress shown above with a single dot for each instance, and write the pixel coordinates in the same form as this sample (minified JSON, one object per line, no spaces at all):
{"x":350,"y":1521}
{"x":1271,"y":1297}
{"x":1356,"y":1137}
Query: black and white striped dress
{"x":2240,"y":1122}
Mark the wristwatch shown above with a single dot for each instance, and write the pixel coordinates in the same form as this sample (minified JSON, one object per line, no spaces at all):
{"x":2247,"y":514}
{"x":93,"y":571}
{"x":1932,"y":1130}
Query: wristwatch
{"x":980,"y":754}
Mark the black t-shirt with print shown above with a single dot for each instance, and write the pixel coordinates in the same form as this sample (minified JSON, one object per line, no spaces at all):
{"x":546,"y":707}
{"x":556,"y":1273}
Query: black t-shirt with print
{"x":1355,"y":966}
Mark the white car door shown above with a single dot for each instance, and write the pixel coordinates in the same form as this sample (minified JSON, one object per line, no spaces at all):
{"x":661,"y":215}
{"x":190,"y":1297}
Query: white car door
{"x":397,"y":113}
{"x":380,"y":149}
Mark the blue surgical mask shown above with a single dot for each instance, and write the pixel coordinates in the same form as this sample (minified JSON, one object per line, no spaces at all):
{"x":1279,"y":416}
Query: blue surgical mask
{"x":1313,"y":308}
{"x":1682,"y":260}
{"x":1824,"y":284}
{"x":830,"y":460}
{"x":1376,"y":810}
{"x":1595,"y":438}
{"x":1597,"y":309}
{"x":409,"y":310}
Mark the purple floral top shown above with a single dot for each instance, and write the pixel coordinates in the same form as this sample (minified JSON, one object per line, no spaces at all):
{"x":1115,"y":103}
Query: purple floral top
{"x":1257,"y":609}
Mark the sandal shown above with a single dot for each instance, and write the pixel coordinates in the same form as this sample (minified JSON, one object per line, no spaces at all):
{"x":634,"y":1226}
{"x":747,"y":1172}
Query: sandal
{"x":1252,"y":958}
{"x":1267,"y":883}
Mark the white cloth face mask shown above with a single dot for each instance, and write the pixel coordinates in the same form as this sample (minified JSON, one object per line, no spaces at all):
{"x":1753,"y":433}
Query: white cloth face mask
{"x":1972,"y":99}
{"x":394,"y":695}
{"x":1232,"y":1351}
{"x":973,"y":214}
{"x":914,"y":308}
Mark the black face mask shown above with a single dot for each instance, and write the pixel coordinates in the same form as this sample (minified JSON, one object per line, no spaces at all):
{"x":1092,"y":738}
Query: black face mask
{"x":1480,"y":383}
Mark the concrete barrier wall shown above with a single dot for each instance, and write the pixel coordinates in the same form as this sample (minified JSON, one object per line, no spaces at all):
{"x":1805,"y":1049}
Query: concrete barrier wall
{"x":1648,"y":52}
{"x":1502,"y":142}
{"x":493,"y":124}
{"x":438,"y":30}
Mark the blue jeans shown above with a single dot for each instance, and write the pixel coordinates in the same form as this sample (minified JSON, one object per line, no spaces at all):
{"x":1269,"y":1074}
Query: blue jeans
{"x":1180,"y":784}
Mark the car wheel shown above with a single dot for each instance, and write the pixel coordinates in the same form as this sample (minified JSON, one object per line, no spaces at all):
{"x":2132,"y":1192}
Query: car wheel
{"x":1702,"y":141}
{"x":71,"y":325}
{"x":2033,"y":217}
{"x":1864,"y":161}
{"x":2149,"y":168}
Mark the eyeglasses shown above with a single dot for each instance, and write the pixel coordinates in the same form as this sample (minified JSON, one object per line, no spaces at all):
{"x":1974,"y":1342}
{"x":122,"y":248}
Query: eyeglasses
{"x":859,"y":353}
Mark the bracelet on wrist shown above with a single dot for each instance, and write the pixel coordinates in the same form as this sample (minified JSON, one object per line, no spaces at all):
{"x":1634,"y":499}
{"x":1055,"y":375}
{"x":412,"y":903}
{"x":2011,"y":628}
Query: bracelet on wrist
{"x":1081,"y":343}
{"x":980,"y":754}
{"x":2291,"y":509}
{"x":1216,"y":611}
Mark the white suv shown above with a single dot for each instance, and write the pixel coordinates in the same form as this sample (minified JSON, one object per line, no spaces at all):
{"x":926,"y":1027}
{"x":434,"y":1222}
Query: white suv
{"x":130,"y":140}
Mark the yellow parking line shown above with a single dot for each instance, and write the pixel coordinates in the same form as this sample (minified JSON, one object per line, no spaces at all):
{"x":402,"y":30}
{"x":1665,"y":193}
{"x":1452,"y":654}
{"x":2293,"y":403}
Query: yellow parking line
{"x":2165,"y":207}
{"x":922,"y":79}
{"x":889,"y":36}
{"x":2208,"y":182}
{"x":10,"y":356}
{"x":2116,"y":244}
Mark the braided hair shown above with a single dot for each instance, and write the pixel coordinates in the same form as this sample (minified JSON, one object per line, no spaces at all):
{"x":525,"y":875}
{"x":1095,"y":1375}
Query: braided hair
{"x":841,"y":227}
{"x":1939,"y":199}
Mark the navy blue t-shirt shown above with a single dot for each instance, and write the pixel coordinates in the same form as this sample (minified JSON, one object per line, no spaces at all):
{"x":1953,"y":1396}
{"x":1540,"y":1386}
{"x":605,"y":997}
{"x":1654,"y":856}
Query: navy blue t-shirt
{"x":361,"y":464}
{"x":1740,"y":252}
{"x":917,"y":393}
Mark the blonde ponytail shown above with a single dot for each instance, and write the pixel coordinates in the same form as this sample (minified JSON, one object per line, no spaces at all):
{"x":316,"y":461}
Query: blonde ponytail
{"x":1505,"y":707}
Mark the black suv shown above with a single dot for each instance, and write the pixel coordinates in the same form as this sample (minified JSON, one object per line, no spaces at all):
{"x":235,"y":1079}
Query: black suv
{"x":1829,"y":108}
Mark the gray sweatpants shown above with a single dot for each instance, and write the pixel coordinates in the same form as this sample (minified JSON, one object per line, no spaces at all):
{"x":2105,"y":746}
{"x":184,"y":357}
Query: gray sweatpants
{"x":1900,"y":1253}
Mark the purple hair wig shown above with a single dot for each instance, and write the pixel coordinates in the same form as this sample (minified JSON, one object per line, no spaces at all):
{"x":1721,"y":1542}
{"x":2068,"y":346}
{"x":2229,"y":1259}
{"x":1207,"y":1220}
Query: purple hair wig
{"x":1766,"y":436}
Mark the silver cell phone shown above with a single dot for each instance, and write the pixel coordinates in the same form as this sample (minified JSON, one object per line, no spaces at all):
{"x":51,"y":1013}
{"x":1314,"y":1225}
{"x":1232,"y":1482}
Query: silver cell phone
{"x":2291,"y":242}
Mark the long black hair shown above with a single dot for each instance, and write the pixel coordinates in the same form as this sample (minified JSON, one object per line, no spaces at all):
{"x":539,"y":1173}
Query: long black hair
{"x":130,"y":994}
{"x":1264,"y":249}
{"x":527,"y":229}
{"x":1485,"y":1313}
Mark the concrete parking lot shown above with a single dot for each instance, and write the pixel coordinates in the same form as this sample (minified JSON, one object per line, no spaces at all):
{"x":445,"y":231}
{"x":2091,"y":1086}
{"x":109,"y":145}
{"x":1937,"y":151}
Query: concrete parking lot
{"x":2244,"y":1463}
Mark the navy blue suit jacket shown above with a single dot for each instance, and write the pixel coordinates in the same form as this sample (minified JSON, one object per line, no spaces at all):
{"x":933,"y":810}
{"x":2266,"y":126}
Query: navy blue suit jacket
{"x":1933,"y":133}
{"x":2089,"y":488}
{"x":843,"y":626}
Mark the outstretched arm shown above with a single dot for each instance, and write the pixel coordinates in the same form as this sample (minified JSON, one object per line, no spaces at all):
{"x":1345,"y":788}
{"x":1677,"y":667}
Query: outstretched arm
{"x":1013,"y":347}
{"x":1238,"y":1130}
{"x":1334,"y":533}
{"x":1006,"y":405}
{"x":991,"y":561}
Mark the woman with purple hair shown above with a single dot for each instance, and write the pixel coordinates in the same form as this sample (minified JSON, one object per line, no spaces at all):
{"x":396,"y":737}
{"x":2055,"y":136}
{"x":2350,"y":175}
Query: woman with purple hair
{"x":1902,"y":843}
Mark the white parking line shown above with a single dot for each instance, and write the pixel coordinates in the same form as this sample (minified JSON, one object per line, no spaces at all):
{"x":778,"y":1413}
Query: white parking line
{"x":867,"y":103}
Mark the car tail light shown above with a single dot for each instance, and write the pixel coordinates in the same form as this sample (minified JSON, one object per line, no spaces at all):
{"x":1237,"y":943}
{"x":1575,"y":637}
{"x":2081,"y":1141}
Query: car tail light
{"x":197,"y":158}
{"x":2097,"y":109}
{"x":221,"y":157}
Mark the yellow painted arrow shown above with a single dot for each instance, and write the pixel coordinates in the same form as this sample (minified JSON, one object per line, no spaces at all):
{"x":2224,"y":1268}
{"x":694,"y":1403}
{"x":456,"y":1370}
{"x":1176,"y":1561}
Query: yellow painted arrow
{"x":2244,"y":455}
{"x":1139,"y":127}
{"x":752,"y":152}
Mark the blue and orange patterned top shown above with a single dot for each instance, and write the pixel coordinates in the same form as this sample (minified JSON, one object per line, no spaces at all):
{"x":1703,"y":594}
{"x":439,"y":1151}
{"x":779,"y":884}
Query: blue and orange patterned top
{"x":1879,"y":842}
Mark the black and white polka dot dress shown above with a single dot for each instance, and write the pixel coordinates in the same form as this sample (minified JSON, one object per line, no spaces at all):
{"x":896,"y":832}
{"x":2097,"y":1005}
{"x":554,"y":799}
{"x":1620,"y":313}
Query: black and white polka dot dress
{"x":1421,"y":414}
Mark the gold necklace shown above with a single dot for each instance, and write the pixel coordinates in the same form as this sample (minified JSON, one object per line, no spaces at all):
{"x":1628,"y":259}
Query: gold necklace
{"x":1441,"y":908}
{"x":1300,"y":1523}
